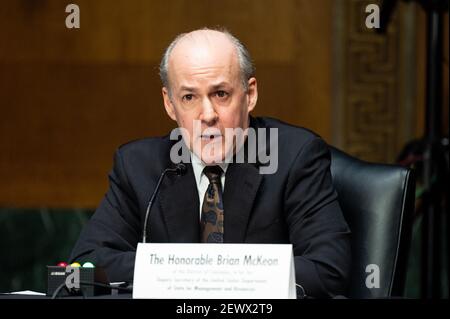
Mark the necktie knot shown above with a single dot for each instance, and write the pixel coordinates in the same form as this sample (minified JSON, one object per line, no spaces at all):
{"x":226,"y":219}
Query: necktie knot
{"x":213,"y":173}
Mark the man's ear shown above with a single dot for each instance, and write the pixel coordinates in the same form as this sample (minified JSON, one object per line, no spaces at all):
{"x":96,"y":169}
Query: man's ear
{"x":170,"y":110}
{"x":252,"y":93}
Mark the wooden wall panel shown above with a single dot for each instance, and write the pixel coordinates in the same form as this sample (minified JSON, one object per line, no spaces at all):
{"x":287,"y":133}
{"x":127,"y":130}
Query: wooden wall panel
{"x":421,"y":74}
{"x":69,"y":98}
{"x":375,"y":84}
{"x":58,"y":135}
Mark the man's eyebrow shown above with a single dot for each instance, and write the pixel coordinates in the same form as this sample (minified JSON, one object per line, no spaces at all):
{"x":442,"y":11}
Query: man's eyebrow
{"x":217,"y":86}
{"x":187,"y":88}
{"x":220,"y":85}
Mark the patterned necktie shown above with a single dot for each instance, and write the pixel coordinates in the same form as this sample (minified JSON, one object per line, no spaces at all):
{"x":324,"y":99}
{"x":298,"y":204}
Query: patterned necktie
{"x":212,"y":208}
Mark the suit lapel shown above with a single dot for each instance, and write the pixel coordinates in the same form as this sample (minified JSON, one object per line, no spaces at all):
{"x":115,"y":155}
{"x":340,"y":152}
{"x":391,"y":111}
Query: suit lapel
{"x":180,"y":207}
{"x":241,"y":185}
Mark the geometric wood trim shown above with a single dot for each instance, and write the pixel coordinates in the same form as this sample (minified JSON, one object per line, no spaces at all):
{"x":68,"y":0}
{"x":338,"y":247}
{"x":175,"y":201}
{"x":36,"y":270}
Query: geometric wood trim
{"x":373,"y":82}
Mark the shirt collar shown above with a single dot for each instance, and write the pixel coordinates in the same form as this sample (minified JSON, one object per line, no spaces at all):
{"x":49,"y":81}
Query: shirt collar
{"x":198,"y":167}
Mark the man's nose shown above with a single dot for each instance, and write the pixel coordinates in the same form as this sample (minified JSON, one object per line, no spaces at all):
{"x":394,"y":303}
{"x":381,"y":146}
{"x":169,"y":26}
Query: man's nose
{"x":209,"y":115}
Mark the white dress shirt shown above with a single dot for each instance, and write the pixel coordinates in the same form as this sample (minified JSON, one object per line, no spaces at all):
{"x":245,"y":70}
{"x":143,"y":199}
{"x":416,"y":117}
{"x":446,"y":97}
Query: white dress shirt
{"x":201,"y":179}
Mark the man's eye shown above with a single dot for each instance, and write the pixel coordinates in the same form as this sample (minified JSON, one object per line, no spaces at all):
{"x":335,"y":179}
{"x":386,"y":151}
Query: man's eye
{"x":188,"y":97}
{"x":221,"y":94}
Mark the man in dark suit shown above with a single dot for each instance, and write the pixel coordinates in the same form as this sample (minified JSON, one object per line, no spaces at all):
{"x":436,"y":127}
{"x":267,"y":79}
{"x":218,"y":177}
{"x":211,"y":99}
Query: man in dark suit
{"x":208,"y":79}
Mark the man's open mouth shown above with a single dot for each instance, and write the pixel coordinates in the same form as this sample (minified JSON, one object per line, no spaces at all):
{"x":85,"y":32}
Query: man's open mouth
{"x":210,"y":137}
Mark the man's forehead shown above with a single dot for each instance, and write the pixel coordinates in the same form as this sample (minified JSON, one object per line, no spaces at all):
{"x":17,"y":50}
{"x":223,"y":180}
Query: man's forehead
{"x":203,"y":48}
{"x":202,"y":37}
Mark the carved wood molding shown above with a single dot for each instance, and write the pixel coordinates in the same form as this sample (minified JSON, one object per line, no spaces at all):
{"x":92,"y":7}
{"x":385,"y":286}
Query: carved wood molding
{"x":373,"y":82}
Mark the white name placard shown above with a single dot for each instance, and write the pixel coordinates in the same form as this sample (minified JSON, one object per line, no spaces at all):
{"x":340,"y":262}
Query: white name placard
{"x":214,"y":271}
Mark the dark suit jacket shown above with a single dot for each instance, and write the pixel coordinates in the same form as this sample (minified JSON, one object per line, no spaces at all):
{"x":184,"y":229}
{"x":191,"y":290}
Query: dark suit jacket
{"x":295,"y":205}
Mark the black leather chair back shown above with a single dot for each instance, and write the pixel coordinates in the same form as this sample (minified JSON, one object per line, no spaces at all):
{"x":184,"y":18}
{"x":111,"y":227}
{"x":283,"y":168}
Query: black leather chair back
{"x":377,"y":201}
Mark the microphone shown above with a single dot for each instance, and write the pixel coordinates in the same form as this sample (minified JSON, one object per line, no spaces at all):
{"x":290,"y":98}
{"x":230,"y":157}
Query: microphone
{"x":180,"y":169}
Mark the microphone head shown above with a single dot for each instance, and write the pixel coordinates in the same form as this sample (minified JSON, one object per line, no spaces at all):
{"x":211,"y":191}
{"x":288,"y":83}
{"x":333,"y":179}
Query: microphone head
{"x":181,"y":169}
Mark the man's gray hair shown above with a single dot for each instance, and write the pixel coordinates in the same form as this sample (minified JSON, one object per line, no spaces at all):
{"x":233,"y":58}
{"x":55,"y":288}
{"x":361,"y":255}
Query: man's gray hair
{"x":245,"y":60}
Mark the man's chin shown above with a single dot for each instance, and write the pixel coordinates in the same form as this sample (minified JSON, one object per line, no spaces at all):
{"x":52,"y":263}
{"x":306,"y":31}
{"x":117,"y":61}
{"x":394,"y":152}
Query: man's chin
{"x":212,"y":160}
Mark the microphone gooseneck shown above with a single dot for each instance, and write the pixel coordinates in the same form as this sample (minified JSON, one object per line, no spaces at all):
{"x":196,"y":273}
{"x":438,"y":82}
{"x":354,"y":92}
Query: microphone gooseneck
{"x":180,"y":169}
